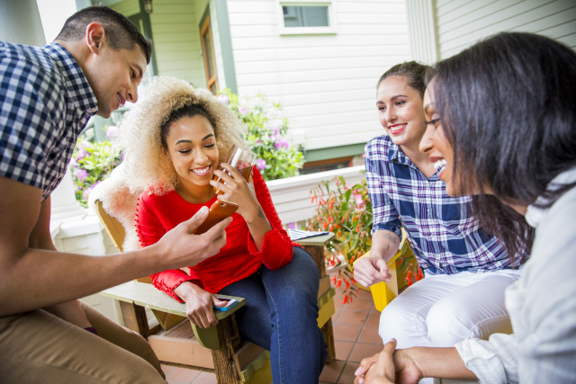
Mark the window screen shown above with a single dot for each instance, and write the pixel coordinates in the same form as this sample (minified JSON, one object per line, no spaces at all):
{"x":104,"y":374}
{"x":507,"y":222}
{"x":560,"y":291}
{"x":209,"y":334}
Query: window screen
{"x":307,"y":16}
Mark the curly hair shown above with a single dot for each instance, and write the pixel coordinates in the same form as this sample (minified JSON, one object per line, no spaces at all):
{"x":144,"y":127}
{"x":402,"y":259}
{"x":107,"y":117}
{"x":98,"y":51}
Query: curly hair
{"x":147,"y":167}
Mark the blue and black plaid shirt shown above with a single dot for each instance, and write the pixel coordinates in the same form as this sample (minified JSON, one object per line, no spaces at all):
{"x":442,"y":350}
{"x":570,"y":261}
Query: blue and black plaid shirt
{"x":45,"y":103}
{"x":445,"y":239}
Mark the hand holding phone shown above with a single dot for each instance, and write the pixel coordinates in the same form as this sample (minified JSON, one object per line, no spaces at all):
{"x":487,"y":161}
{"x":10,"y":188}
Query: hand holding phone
{"x":230,"y":303}
{"x":218,"y":212}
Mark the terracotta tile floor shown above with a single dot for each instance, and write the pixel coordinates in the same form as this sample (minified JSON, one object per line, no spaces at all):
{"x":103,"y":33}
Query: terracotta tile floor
{"x":355,"y":335}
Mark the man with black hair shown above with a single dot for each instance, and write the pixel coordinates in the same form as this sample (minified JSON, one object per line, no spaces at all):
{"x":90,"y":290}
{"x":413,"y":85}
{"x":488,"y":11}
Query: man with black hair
{"x":47,"y":95}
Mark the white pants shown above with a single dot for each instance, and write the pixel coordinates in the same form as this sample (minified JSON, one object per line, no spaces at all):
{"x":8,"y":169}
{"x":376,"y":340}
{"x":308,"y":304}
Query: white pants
{"x":441,"y":310}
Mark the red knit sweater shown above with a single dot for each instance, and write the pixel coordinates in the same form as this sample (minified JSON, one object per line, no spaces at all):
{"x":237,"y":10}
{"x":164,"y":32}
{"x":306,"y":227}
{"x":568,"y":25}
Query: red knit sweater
{"x":238,"y":259}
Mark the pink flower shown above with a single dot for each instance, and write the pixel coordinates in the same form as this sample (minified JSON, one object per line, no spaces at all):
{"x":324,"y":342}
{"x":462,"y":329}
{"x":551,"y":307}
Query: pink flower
{"x":260,"y":164}
{"x":282,"y":143}
{"x":273,"y":137}
{"x":242,"y":111}
{"x":292,"y":225}
{"x":223,"y":99}
{"x":259,"y":141}
{"x":111,"y":131}
{"x":84,"y":144}
{"x":73,"y":163}
{"x":80,"y":174}
{"x":276,"y":130}
{"x":81,"y":154}
{"x":359,"y":200}
{"x":87,"y":192}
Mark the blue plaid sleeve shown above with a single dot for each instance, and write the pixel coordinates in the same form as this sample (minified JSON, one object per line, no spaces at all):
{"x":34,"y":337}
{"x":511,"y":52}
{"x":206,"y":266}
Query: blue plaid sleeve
{"x":25,"y":122}
{"x":385,"y":214}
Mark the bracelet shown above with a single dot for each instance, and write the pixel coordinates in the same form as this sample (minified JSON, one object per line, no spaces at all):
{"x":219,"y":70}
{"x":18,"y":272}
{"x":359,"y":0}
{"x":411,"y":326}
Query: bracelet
{"x":91,"y":330}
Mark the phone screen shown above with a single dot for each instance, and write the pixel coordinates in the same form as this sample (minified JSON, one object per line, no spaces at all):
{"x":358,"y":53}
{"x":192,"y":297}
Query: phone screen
{"x":230,"y":303}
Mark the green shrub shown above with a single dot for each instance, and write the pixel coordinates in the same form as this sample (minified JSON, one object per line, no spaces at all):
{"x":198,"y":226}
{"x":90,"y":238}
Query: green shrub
{"x":92,"y":162}
{"x":266,"y":135}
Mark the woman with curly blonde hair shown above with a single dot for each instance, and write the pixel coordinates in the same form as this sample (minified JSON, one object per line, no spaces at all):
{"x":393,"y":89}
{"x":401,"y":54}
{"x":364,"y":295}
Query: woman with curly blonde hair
{"x":173,"y":140}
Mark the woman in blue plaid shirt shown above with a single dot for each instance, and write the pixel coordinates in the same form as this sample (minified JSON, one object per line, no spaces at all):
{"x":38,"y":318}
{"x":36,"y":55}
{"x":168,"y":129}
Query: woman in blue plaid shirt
{"x":466,"y":269}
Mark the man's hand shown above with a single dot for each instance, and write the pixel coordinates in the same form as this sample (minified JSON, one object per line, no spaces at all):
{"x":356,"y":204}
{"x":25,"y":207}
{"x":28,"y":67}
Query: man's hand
{"x":180,"y":248}
{"x":199,"y":304}
{"x":371,"y":270}
{"x":378,"y":369}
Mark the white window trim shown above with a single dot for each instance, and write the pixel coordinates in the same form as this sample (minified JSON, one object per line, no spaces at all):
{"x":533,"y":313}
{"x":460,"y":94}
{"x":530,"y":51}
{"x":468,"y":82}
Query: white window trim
{"x":331,"y":29}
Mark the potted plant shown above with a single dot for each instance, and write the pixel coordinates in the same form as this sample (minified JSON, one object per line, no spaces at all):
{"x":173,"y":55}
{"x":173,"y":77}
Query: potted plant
{"x":346,"y":211}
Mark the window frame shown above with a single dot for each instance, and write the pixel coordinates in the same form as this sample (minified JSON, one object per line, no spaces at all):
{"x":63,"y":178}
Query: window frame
{"x":329,"y":30}
{"x":207,"y":29}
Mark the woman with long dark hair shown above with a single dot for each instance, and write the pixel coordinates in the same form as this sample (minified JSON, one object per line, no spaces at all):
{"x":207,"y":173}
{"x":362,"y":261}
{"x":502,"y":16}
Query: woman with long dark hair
{"x":502,"y":120}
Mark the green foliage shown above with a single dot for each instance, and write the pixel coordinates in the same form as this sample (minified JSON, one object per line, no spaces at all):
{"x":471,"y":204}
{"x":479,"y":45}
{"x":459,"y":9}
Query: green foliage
{"x":266,"y":134}
{"x":345,"y":210}
{"x":92,"y":162}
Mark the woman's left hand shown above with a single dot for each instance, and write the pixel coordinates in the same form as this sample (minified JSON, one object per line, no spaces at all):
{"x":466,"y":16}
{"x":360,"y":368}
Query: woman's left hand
{"x":238,"y":191}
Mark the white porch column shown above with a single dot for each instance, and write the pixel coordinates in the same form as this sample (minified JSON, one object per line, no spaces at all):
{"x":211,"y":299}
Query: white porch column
{"x":63,"y":202}
{"x":20,"y":22}
{"x":422,"y":30}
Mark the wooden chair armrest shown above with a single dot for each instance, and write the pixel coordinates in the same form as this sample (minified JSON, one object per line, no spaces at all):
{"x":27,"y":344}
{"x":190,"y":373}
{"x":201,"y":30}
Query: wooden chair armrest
{"x":148,"y":296}
{"x":318,"y":241}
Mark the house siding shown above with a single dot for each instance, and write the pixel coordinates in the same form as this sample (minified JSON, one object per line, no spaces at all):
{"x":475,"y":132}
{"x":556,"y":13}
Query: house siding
{"x":176,"y":37}
{"x":177,"y":40}
{"x":326,"y":83}
{"x":127,"y":7}
{"x":461,"y":23}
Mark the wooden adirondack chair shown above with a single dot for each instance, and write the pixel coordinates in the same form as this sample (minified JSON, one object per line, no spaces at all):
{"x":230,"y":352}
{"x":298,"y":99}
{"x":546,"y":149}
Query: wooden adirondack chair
{"x":219,"y":349}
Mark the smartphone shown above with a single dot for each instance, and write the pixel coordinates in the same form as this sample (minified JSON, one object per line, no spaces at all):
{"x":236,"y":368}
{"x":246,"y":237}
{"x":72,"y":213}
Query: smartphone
{"x":218,"y":212}
{"x":230,"y":304}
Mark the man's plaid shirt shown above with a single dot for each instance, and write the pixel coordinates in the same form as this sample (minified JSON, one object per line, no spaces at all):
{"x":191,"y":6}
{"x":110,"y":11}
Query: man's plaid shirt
{"x":45,"y":103}
{"x":443,"y":236}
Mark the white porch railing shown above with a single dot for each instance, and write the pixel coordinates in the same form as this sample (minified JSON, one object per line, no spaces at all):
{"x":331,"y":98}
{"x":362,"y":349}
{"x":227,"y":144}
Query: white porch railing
{"x":291,"y":196}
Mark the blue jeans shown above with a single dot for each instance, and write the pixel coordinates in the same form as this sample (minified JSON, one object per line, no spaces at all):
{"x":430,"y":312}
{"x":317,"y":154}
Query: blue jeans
{"x":281,"y":315}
